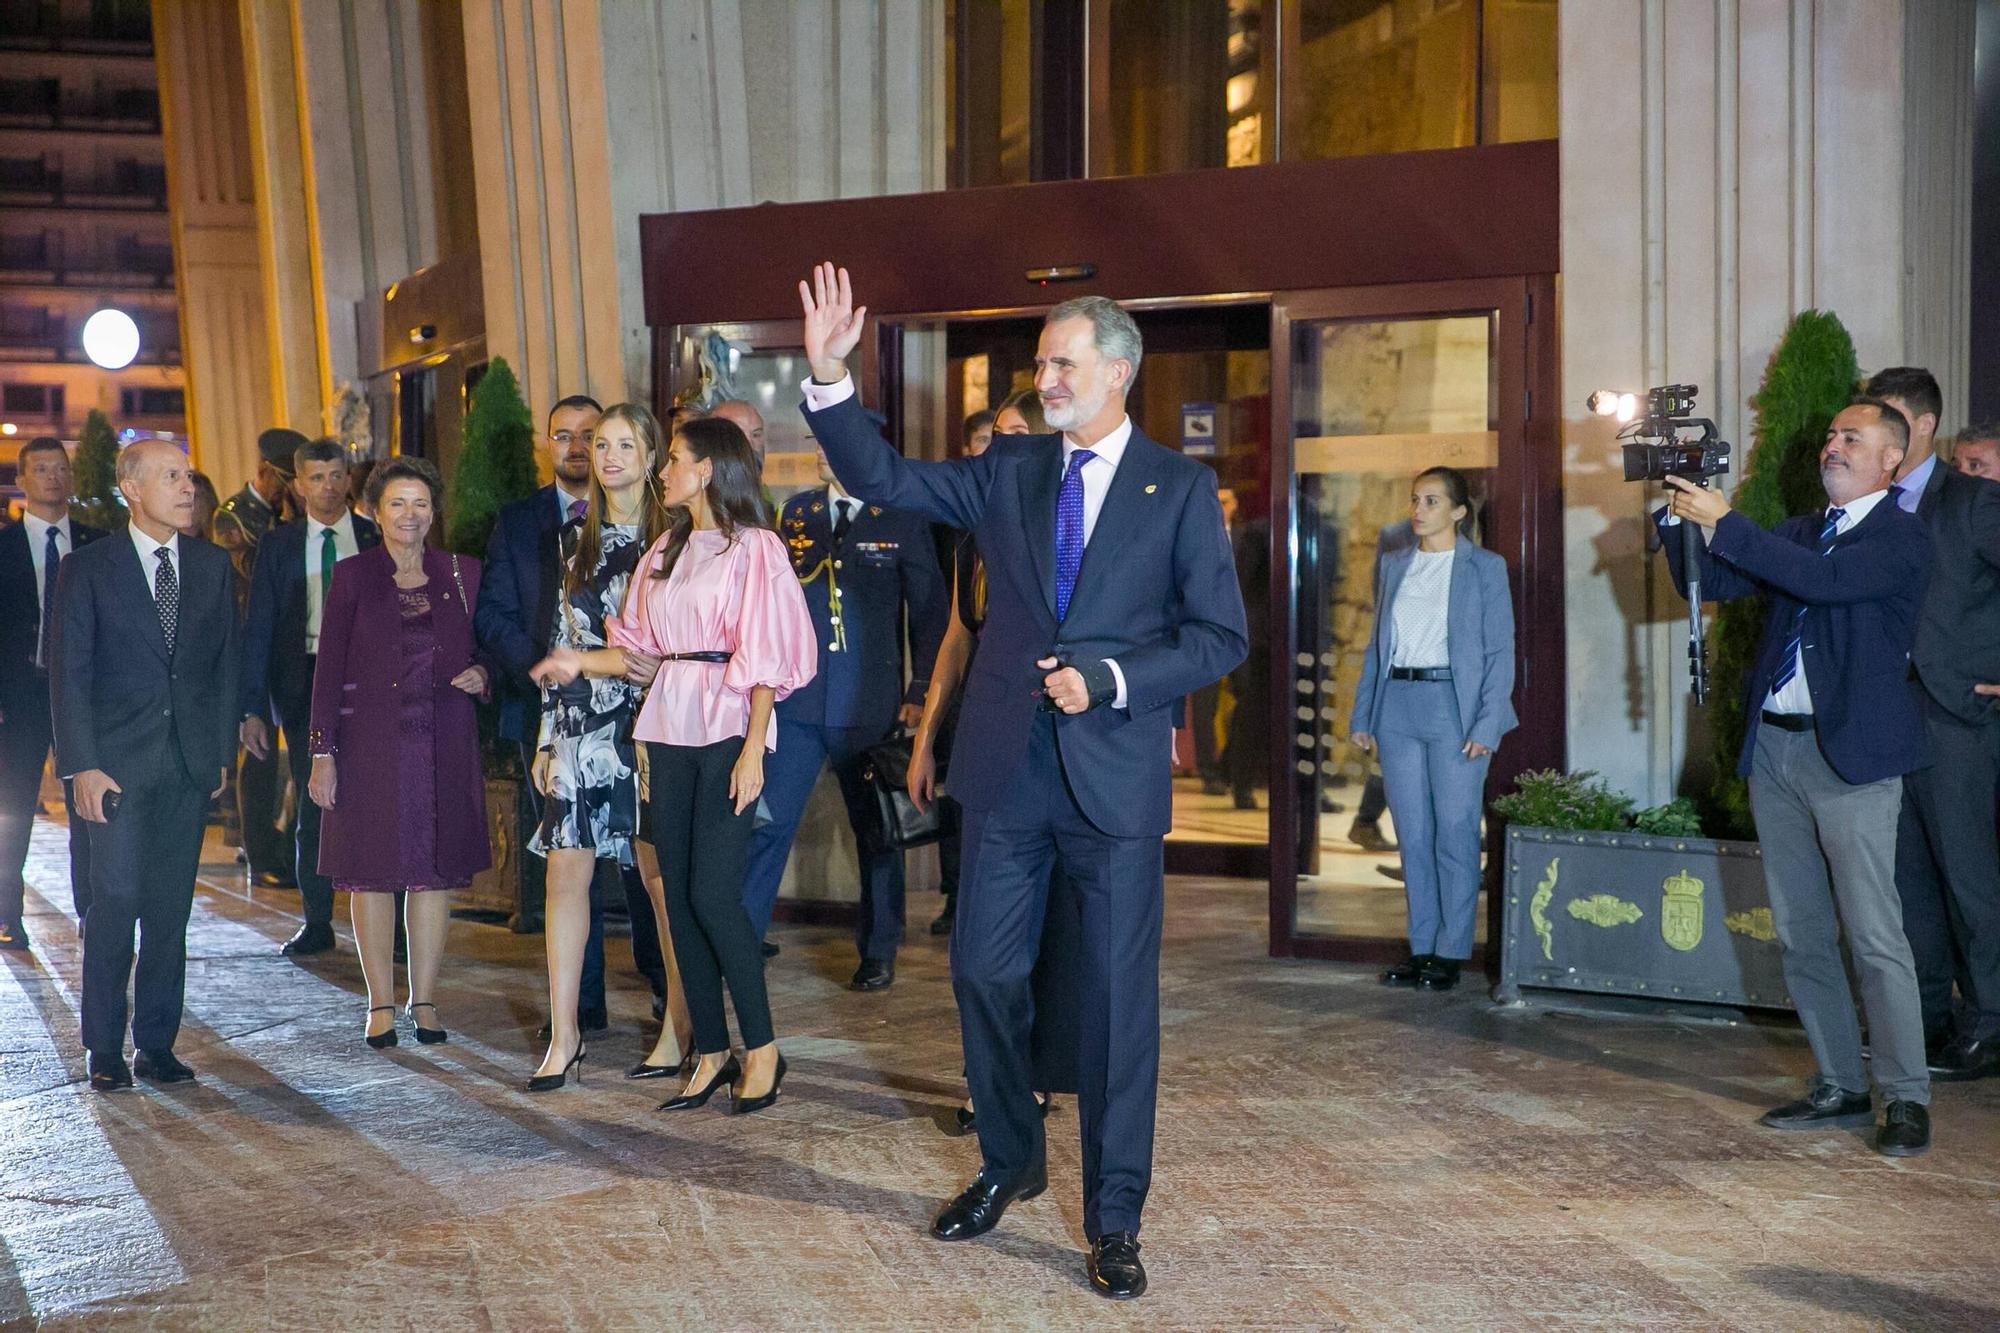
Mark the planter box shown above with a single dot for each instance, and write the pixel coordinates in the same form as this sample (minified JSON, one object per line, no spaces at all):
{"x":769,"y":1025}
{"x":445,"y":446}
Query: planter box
{"x":1682,"y":919}
{"x":497,"y":889}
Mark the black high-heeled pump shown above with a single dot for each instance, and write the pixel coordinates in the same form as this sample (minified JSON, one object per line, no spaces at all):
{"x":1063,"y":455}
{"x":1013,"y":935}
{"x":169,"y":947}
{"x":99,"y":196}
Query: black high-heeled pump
{"x":744,"y":1106}
{"x":383,"y":1040}
{"x":550,"y":1082}
{"x":645,"y":1069}
{"x":428,"y":1036}
{"x":687,"y":1101}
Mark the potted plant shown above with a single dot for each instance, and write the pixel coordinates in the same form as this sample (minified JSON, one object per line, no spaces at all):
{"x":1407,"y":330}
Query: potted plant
{"x":97,"y":501}
{"x":496,"y":466}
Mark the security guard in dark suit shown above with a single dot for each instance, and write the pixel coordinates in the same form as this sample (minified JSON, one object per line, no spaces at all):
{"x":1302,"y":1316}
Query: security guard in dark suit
{"x":863,"y":567}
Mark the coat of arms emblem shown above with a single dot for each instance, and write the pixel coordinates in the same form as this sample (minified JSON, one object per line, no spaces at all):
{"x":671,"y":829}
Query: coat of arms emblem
{"x":1680,"y":911}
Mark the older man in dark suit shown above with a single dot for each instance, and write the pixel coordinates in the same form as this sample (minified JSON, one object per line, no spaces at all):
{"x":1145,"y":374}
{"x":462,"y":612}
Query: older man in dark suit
{"x":1111,"y":596}
{"x":280,"y":644}
{"x":144,"y":675}
{"x":1833,"y":729}
{"x":31,"y":552}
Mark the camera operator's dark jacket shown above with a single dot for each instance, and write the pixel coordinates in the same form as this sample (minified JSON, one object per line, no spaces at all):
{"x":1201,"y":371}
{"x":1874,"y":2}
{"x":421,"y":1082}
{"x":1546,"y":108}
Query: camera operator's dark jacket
{"x":1862,"y":601}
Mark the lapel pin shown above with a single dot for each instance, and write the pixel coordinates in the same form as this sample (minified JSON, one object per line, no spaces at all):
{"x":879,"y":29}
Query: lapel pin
{"x":1151,"y":489}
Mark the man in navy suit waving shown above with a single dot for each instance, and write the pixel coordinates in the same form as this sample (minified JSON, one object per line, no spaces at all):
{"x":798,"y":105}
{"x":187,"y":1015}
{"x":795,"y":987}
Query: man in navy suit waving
{"x":1110,"y":595}
{"x":1833,"y":727}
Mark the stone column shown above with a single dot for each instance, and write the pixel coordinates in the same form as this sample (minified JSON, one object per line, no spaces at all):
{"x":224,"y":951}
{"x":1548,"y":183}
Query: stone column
{"x":1727,"y":164}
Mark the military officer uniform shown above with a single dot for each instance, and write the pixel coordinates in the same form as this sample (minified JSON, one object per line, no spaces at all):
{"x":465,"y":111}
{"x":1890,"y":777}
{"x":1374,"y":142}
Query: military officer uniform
{"x":863,"y":568}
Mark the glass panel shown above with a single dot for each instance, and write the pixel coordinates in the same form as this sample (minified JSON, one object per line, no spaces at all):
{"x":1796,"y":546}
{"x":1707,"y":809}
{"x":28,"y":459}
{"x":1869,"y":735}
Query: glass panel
{"x":1187,"y":86}
{"x":1374,"y":403}
{"x":1383,"y":76}
{"x":1520,"y":72}
{"x":713,"y":367}
{"x":990,"y":66}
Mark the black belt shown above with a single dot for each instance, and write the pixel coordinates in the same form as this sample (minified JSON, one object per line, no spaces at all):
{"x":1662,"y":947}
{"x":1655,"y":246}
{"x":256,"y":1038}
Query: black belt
{"x":1788,"y":721}
{"x":1419,"y":673}
{"x":697,"y":657}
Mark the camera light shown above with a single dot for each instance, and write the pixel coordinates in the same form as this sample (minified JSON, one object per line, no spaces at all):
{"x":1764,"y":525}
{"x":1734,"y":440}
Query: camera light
{"x":1604,"y":402}
{"x":1628,"y":406}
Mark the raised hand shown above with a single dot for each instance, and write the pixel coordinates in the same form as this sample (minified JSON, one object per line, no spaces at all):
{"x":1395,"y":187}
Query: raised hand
{"x":833,"y":324}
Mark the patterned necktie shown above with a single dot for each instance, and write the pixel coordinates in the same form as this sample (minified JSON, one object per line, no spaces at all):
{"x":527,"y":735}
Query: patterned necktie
{"x":328,"y":557}
{"x":51,"y":557}
{"x":167,"y":596}
{"x":843,"y":512}
{"x":1069,"y":530}
{"x":1791,"y":666}
{"x":576,"y":510}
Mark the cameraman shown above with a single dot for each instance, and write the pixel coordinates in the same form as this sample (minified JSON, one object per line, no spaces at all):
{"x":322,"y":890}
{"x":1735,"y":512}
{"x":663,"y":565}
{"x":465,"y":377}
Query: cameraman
{"x":1832,"y":728}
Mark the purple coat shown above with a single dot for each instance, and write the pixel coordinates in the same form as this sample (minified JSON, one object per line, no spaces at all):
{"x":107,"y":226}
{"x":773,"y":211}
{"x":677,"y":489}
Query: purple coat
{"x":356,"y":709}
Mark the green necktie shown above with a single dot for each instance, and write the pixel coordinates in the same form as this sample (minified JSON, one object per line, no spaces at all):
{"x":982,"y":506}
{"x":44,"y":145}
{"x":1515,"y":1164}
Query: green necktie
{"x":327,"y":556}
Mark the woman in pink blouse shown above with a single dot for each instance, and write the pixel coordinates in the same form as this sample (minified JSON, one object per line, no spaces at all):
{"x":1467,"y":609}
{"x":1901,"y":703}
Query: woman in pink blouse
{"x":715,"y":602}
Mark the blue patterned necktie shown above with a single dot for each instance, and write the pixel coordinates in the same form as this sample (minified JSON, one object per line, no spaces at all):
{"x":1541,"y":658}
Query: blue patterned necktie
{"x":51,"y":557}
{"x":1791,"y":666}
{"x":1069,"y":530}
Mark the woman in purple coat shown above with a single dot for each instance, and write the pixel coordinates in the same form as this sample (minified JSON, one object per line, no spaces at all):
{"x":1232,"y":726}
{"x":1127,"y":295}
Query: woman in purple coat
{"x":395,"y":745}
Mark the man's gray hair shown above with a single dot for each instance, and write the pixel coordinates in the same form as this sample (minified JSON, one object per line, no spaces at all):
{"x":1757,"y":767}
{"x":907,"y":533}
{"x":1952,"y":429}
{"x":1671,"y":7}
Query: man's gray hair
{"x":1978,"y":431}
{"x":1114,"y":331}
{"x":133,"y":457}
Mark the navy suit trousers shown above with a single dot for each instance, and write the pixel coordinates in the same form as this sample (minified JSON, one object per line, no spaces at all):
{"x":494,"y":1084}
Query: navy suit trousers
{"x":1010,"y":850}
{"x":25,"y":736}
{"x":789,"y":776}
{"x":142,"y":867}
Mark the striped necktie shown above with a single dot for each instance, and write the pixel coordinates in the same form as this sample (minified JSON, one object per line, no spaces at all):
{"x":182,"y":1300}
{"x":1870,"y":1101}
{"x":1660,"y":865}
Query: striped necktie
{"x":1791,"y":666}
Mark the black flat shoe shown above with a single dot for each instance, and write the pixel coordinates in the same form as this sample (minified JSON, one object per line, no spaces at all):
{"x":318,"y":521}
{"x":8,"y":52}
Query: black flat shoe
{"x":108,"y":1073}
{"x":942,"y":926}
{"x":872,"y":975}
{"x":1905,"y":1132}
{"x":1966,"y":1058}
{"x":743,"y":1106}
{"x":1368,"y":837}
{"x":382,"y":1041}
{"x":978,"y":1209}
{"x":310,"y":940}
{"x":428,"y":1036}
{"x":1825,"y":1107}
{"x":160,"y":1066}
{"x":12,"y":936}
{"x":1115,"y":1270}
{"x":273,"y":879}
{"x":550,"y":1082}
{"x":770,"y":950}
{"x":687,"y":1101}
{"x":1438,"y":973}
{"x":1408,"y":972}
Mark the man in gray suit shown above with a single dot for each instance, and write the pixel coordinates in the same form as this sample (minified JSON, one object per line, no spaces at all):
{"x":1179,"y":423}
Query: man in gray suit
{"x":1947,"y":855}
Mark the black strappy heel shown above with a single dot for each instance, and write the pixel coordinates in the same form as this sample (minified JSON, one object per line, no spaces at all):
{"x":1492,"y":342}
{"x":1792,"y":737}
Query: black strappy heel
{"x":383,"y":1040}
{"x":428,"y":1036}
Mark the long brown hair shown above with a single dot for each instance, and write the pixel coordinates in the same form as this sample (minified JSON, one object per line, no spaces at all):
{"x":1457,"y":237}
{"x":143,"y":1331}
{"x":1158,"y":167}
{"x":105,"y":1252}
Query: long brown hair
{"x":734,"y":496}
{"x":589,"y":547}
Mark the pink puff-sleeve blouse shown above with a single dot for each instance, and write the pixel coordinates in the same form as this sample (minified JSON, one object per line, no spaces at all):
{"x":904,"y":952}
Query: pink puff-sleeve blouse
{"x":735,"y":595}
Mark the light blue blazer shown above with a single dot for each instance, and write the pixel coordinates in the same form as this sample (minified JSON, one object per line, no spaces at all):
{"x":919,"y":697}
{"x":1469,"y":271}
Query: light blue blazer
{"x":1480,"y":627}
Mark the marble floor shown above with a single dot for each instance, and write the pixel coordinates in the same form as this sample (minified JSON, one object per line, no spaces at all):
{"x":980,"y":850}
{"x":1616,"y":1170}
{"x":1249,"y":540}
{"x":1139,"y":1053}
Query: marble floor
{"x":1330,"y":1155}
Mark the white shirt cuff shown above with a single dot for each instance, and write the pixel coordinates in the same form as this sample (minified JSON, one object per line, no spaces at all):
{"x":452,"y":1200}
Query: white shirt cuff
{"x":819,"y":396}
{"x":1667,"y":516}
{"x":1118,"y":699}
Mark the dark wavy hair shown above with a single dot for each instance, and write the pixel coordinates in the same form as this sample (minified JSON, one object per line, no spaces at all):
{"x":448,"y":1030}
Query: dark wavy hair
{"x":735,"y":498}
{"x":405,"y":467}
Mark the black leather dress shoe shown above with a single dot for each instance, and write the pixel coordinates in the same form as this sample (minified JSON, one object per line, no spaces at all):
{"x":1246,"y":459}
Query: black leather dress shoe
{"x":770,"y":950}
{"x":1935,"y":1044}
{"x":161,"y":1067}
{"x":1967,"y":1058}
{"x":1368,"y":837}
{"x":309,"y":941}
{"x":942,"y":926}
{"x":1825,"y":1107}
{"x":978,"y":1209}
{"x":591,"y":1022}
{"x":872,"y":975}
{"x":108,"y":1072}
{"x":273,"y":879}
{"x":1115,"y":1270}
{"x":1407,"y":972}
{"x":12,"y":936}
{"x":1905,"y":1132}
{"x":1438,"y":973}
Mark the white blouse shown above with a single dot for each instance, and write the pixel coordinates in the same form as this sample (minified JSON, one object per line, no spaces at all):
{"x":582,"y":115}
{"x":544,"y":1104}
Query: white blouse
{"x":1420,"y":622}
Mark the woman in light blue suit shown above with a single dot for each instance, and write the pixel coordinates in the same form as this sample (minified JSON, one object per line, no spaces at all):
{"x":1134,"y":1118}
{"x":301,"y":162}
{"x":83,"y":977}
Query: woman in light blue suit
{"x":1435,"y":698}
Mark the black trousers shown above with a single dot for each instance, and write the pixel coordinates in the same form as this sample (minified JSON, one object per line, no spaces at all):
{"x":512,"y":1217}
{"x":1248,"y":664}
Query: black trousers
{"x":1246,"y":756}
{"x":1948,"y":873}
{"x":1207,"y":753}
{"x":259,"y":791}
{"x":1012,"y":848}
{"x":142,"y":867}
{"x":25,"y":737}
{"x":704,"y":846}
{"x":315,"y":889}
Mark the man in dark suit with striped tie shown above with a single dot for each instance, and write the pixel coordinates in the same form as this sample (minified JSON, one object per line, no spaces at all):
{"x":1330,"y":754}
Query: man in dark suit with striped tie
{"x":31,"y":552}
{"x":1833,"y":728}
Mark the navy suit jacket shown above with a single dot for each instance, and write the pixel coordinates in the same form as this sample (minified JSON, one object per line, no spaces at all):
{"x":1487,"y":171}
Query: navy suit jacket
{"x":122,"y":702}
{"x":1479,"y":620}
{"x":1156,"y":591}
{"x":1862,"y":601}
{"x":21,"y":613}
{"x":1958,"y":636}
{"x":517,"y":604}
{"x":274,"y":627}
{"x":886,"y":562}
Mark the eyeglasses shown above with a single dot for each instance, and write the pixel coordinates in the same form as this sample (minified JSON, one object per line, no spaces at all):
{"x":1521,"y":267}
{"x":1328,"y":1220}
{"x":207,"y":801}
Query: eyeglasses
{"x":565,"y":437}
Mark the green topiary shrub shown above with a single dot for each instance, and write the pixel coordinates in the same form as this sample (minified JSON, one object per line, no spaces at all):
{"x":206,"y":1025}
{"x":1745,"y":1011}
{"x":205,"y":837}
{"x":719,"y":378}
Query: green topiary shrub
{"x":1544,"y":798}
{"x":497,"y":463}
{"x":1810,"y":377}
{"x":97,"y":501}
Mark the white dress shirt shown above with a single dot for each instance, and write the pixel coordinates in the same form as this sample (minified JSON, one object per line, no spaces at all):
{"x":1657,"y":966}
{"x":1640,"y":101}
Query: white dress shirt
{"x":37,"y":532}
{"x":1419,"y":622}
{"x":1097,"y":473}
{"x":146,"y":546}
{"x":1796,"y":697}
{"x":344,"y":545}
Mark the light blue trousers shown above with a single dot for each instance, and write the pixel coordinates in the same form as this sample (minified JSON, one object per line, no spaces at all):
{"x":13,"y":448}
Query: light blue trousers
{"x":1436,"y":795}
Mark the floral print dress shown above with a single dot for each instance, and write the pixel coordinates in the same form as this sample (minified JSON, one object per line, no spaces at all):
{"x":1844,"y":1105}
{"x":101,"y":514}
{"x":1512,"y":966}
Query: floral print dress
{"x":587,"y":724}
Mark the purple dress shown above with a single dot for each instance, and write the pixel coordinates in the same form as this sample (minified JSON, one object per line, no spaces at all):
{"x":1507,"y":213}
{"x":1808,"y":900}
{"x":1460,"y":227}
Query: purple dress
{"x":417,"y":762}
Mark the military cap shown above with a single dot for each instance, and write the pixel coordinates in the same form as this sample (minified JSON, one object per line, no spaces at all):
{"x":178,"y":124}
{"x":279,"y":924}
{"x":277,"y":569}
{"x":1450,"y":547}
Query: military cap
{"x":277,"y":445}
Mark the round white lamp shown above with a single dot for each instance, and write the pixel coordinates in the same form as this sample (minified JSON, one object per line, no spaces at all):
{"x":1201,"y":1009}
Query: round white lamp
{"x":111,"y":339}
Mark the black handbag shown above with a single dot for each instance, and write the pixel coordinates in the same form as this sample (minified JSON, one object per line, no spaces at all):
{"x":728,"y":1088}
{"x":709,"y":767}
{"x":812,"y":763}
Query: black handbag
{"x":898,"y":823}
